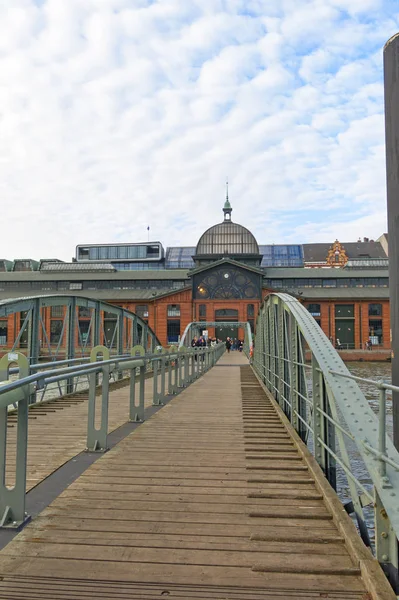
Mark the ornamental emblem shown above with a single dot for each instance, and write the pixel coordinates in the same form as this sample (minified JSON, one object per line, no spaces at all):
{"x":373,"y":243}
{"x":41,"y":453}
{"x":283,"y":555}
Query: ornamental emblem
{"x":337,"y":256}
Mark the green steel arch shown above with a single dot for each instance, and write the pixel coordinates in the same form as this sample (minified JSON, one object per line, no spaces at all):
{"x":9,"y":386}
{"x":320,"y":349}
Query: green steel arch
{"x":298,"y":365}
{"x":65,"y":326}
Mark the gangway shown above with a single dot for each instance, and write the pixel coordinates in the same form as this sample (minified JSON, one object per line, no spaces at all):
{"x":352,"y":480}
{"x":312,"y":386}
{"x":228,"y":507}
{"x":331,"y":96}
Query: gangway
{"x":216,"y":494}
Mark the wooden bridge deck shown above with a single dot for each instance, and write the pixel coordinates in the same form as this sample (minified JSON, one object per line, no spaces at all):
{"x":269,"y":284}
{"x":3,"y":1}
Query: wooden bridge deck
{"x":58,"y":430}
{"x":211,"y":498}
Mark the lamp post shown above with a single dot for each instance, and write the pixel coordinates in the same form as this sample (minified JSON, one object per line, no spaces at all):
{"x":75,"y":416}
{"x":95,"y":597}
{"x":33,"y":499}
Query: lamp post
{"x":391,"y":89}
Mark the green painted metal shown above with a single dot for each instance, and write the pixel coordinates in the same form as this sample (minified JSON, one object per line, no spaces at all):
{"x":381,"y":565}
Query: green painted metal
{"x":97,"y":436}
{"x":38,"y":340}
{"x":334,"y":412}
{"x":12,"y":499}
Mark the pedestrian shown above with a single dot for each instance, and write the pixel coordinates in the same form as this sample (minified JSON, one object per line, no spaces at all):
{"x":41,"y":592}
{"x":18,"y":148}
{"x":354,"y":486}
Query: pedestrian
{"x":338,"y":344}
{"x":228,"y":345}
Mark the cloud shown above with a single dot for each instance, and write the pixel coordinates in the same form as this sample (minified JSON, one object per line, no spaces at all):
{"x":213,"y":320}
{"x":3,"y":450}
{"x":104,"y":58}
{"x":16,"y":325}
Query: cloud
{"x":115,"y":115}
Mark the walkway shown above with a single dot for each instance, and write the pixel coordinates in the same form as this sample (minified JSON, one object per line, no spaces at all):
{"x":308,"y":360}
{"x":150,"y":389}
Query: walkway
{"x":211,"y":498}
{"x":58,"y":430}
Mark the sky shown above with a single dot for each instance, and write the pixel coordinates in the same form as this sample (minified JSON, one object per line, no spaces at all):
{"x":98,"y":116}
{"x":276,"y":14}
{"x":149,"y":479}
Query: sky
{"x":116,"y":115}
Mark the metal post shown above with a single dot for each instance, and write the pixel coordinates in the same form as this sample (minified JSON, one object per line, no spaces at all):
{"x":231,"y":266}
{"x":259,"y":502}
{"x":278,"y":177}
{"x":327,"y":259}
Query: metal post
{"x":391,"y":83}
{"x":170,"y":386}
{"x":70,"y":349}
{"x":120,"y":324}
{"x":382,"y":442}
{"x":136,"y":412}
{"x":318,"y":422}
{"x":155,"y":401}
{"x":386,"y":544}
{"x":12,"y":499}
{"x":97,"y":439}
{"x":163,"y":378}
{"x":294,"y":379}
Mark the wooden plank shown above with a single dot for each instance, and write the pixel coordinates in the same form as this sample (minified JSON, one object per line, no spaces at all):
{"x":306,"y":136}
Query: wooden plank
{"x":190,"y":505}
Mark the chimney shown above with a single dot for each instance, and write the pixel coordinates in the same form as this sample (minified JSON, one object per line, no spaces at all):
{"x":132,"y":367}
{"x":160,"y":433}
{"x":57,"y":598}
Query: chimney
{"x":365,"y":239}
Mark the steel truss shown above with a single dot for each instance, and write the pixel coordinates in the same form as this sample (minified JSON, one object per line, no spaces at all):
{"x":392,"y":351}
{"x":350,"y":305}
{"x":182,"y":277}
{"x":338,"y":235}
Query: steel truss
{"x":327,"y":408}
{"x":112,"y":326}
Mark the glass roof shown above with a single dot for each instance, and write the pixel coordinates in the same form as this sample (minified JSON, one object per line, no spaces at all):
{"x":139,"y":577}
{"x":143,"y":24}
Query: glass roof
{"x":282,"y":255}
{"x":180,"y":257}
{"x":226,"y":239}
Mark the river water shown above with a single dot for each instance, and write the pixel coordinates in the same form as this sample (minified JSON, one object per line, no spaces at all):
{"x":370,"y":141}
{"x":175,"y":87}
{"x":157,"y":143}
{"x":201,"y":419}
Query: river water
{"x":380,"y":372}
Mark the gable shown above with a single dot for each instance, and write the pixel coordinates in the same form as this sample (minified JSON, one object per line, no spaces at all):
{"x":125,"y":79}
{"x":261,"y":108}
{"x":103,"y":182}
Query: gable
{"x":227,"y":280}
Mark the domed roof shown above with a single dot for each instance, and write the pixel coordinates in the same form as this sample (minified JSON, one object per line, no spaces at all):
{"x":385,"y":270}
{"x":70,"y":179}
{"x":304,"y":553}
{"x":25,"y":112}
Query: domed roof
{"x":226,"y":239}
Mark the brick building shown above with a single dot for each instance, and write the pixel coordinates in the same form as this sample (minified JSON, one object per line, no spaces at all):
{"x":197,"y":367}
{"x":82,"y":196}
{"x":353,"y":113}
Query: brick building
{"x":224,"y":278}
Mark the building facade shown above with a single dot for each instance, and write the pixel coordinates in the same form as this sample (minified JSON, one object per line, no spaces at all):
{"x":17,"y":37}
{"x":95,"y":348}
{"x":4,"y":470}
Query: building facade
{"x":224,"y":278}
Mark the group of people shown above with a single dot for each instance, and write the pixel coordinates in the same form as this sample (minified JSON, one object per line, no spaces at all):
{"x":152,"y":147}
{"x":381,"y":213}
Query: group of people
{"x":234,"y":344}
{"x":202,"y":342}
{"x":367,"y":345}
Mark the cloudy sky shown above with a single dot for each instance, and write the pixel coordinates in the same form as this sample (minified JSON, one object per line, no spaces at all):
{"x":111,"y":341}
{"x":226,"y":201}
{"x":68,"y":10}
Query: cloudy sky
{"x":118,"y":114}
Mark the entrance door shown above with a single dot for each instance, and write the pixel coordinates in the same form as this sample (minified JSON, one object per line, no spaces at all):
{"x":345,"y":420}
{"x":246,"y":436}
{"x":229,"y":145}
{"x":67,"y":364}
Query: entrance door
{"x":345,"y":332}
{"x":227,"y":315}
{"x":222,"y":333}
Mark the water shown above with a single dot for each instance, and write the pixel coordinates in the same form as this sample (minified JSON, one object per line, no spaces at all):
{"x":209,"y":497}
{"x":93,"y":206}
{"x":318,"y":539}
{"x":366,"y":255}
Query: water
{"x":380,"y":372}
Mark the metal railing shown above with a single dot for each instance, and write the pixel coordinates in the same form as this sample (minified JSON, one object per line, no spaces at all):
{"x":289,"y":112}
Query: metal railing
{"x":172,"y":369}
{"x":82,"y":323}
{"x":329,"y":412}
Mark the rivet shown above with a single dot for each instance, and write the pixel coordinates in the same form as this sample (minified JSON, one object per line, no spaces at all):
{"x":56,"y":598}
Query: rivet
{"x":385,"y":557}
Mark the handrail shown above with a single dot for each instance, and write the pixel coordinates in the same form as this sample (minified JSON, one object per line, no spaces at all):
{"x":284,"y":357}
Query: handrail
{"x":172,"y":369}
{"x":331,"y":409}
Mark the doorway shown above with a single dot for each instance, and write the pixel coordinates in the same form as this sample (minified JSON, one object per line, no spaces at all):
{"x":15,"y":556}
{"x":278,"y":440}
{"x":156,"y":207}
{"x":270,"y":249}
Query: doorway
{"x":225,"y":331}
{"x":229,"y":316}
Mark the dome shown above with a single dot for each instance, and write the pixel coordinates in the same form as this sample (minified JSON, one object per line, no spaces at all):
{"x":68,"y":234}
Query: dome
{"x":226,"y":239}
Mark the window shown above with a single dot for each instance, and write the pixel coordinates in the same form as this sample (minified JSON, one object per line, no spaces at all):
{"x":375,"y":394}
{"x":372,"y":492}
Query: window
{"x":357,"y":282}
{"x":142,"y":311}
{"x":57,"y":311}
{"x":84,"y":312}
{"x":3,"y":332}
{"x":55,"y":331}
{"x":173,"y":310}
{"x":250,"y":311}
{"x":329,"y":283}
{"x":344,"y":282}
{"x":375,"y":331}
{"x":173,"y":330}
{"x":75,"y":286}
{"x":202,"y":311}
{"x":314,"y":310}
{"x":375,"y":310}
{"x":84,"y":330}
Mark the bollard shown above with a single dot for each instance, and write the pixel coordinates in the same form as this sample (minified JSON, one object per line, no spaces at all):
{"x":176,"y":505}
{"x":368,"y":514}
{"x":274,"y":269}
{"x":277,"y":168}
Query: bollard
{"x":97,"y":439}
{"x":12,"y":500}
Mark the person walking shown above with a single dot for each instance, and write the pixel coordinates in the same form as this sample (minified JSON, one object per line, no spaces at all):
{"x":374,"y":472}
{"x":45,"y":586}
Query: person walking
{"x":228,"y":345}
